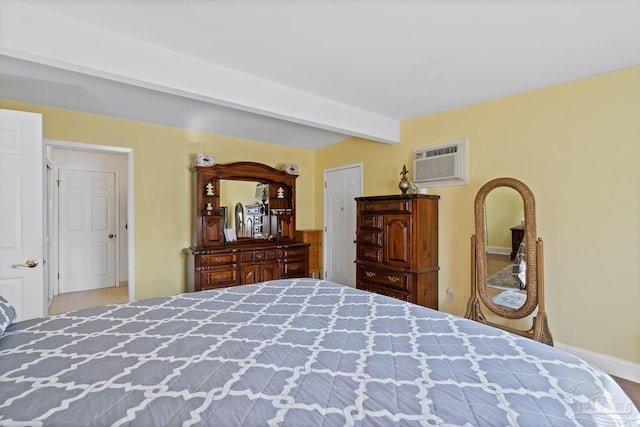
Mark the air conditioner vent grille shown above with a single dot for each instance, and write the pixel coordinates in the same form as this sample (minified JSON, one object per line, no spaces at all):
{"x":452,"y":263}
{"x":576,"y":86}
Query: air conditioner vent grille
{"x":444,"y":167}
{"x":442,"y":151}
{"x":441,"y":165}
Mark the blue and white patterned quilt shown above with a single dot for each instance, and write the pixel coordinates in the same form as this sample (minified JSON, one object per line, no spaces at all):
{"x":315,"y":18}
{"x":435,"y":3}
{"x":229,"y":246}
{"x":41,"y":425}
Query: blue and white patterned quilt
{"x":296,"y":352}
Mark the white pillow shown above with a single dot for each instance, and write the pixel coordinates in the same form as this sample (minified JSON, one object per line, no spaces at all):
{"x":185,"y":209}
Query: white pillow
{"x":7,"y":314}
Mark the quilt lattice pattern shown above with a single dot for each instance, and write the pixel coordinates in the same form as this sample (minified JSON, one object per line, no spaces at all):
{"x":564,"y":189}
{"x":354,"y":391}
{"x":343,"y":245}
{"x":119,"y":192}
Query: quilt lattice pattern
{"x":291,"y":353}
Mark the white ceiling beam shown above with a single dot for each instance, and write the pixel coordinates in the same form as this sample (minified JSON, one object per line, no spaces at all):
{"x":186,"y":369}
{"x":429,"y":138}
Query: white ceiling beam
{"x":36,"y":35}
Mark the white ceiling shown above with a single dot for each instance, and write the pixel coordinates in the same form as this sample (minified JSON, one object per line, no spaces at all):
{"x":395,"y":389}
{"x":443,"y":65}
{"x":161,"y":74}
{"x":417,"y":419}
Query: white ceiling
{"x":302,"y":73}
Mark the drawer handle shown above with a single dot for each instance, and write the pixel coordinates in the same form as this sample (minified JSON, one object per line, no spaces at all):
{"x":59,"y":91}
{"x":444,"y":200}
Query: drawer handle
{"x":369,"y":273}
{"x":369,"y":253}
{"x":220,"y":259}
{"x":221,"y":277}
{"x":393,"y":279}
{"x":294,"y":267}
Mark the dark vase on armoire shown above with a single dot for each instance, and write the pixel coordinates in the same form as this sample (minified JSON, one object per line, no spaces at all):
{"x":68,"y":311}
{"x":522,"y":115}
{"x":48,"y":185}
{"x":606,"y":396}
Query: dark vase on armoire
{"x":397,"y":247}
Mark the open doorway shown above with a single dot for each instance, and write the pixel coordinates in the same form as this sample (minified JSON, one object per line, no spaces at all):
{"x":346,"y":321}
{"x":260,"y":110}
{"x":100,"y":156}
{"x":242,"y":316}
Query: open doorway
{"x":91,"y":268}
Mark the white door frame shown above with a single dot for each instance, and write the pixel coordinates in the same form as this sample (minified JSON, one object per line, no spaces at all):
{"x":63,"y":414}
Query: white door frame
{"x":48,"y":227}
{"x":325,"y":202}
{"x":130,"y":223}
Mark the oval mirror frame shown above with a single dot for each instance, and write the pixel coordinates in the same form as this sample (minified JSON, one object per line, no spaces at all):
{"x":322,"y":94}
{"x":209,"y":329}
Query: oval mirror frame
{"x":533,"y":259}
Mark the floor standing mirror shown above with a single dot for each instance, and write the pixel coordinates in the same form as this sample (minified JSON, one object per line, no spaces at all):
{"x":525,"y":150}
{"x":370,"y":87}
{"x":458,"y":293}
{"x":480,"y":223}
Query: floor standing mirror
{"x":525,"y":293}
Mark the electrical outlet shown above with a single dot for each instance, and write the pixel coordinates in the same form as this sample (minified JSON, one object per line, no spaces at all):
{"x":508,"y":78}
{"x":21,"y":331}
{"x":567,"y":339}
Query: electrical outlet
{"x":449,"y":293}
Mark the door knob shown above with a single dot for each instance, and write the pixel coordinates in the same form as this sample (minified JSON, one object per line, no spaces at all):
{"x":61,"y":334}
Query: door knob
{"x":111,"y":236}
{"x":28,"y":263}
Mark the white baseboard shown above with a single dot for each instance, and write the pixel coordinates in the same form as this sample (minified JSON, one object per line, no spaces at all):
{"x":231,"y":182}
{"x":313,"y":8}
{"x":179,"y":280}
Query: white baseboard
{"x":498,"y":250}
{"x":611,"y":365}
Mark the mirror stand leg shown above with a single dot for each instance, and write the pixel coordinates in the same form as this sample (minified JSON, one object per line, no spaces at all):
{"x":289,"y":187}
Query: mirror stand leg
{"x":473,"y":310}
{"x":541,"y":330}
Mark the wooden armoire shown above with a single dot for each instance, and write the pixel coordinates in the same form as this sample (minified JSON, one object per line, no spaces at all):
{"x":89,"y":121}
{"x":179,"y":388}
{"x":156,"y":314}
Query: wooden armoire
{"x":397,"y":247}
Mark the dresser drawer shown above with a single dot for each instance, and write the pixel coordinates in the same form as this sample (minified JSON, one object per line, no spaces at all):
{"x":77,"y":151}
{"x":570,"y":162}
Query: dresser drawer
{"x":222,"y":276}
{"x":388,"y":205}
{"x":383,"y":277}
{"x":217,"y":286}
{"x":293,"y":269}
{"x":257,"y":256}
{"x":292,"y":253}
{"x":370,"y":253}
{"x":216,"y":260}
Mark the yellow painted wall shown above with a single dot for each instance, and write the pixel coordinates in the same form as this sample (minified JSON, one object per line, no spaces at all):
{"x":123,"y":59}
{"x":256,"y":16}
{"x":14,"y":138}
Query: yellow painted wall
{"x":577,"y":146}
{"x":162,"y":180}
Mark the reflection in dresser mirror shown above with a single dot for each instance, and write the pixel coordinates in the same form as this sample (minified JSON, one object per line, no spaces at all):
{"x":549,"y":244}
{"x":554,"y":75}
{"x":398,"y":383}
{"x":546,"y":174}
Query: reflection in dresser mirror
{"x":498,"y":204}
{"x":243,"y":206}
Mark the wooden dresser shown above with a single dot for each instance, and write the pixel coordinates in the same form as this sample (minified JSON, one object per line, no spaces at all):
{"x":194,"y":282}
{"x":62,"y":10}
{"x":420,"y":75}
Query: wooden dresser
{"x":314,"y":238}
{"x":243,"y":264}
{"x":269,"y":252}
{"x":397,"y":247}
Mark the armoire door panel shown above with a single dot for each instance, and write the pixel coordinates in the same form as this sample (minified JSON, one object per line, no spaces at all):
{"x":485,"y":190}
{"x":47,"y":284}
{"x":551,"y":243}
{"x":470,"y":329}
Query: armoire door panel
{"x":397,"y":244}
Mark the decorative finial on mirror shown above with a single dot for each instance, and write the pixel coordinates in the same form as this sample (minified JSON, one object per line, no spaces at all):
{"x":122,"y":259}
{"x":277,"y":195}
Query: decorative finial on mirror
{"x":404,"y":183}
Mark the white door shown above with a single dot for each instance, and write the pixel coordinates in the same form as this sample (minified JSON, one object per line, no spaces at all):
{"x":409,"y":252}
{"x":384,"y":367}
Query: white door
{"x":87,"y":230}
{"x":342,"y":186}
{"x":21,"y":215}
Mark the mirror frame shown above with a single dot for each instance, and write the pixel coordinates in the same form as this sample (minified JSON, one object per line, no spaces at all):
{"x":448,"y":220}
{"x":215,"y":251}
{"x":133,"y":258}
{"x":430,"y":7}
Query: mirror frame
{"x":534,"y":262}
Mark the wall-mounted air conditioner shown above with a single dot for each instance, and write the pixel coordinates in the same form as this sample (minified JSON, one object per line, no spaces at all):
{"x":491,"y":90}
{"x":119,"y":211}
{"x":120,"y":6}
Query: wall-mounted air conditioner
{"x":441,"y":165}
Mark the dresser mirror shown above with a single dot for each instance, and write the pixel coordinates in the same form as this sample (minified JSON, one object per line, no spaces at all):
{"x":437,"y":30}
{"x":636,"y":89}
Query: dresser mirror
{"x":528,"y":297}
{"x":254,"y":200}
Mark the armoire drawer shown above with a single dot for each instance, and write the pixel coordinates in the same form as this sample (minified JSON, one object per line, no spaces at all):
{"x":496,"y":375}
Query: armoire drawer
{"x":370,"y":253}
{"x":370,"y":237}
{"x":383,"y":290}
{"x":383,"y":277}
{"x":371,"y":221}
{"x":388,"y":205}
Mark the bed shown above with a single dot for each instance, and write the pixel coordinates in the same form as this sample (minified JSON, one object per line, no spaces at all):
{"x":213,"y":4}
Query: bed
{"x":299,"y":352}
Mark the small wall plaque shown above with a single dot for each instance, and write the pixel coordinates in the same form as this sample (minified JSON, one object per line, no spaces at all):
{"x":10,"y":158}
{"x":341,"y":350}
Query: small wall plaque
{"x":290,"y":168}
